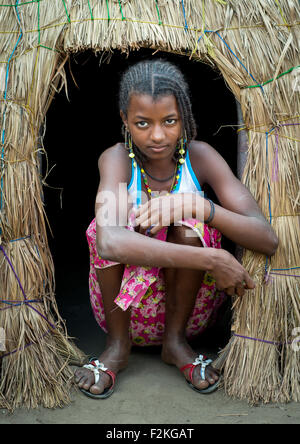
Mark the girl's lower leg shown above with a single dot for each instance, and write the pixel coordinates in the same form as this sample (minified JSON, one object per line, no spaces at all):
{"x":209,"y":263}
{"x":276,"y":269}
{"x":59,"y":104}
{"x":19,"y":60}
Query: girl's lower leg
{"x":117,"y":321}
{"x":182,"y":286}
{"x":179,"y":306}
{"x":118,"y":345}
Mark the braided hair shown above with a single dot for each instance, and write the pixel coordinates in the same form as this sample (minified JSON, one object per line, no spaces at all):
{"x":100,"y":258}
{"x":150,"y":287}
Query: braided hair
{"x":158,"y":78}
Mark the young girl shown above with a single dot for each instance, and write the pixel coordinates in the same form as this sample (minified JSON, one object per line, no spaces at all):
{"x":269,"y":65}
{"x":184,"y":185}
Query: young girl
{"x":159,"y":277}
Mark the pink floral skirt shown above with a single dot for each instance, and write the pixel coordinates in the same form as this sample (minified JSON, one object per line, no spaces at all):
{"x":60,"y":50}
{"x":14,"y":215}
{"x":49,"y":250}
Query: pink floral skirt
{"x":143,"y":289}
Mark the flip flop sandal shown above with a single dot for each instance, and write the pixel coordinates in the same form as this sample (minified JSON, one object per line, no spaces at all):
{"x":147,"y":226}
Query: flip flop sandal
{"x":204,"y":362}
{"x":96,"y":366}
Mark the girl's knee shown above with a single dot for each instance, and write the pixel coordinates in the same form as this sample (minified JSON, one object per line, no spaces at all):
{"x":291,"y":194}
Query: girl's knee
{"x":111,"y":273}
{"x":183,"y":235}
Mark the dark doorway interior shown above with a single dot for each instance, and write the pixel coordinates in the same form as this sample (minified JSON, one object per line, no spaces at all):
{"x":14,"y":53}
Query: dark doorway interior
{"x":77,"y":131}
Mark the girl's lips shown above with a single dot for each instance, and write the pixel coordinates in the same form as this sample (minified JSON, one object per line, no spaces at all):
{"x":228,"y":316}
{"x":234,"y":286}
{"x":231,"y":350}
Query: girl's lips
{"x":158,"y":149}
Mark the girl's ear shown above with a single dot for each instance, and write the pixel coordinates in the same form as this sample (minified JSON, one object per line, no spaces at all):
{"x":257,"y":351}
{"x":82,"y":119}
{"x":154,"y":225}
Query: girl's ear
{"x":124,"y":118}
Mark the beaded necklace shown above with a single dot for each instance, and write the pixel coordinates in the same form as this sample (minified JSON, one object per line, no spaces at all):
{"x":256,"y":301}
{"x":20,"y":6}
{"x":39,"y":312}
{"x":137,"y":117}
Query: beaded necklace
{"x":178,"y":167}
{"x":177,"y":175}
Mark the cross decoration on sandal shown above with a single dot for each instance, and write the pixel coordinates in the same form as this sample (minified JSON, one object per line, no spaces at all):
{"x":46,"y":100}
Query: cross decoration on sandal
{"x":201,"y":359}
{"x":96,"y":366}
{"x":204,"y":362}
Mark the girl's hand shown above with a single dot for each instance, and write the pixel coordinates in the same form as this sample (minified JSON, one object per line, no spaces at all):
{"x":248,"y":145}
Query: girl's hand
{"x":230,"y":275}
{"x":165,"y":210}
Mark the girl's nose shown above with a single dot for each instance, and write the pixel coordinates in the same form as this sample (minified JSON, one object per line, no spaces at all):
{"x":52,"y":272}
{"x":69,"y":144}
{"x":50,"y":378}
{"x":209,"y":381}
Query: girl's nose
{"x":157,"y":134}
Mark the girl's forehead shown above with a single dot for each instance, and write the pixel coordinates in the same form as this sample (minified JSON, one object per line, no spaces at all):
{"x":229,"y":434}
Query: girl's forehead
{"x":144,"y":103}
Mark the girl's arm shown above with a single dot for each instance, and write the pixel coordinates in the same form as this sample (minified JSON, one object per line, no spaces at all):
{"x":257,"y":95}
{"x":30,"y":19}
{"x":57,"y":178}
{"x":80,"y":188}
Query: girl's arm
{"x":118,"y":244}
{"x":239,"y":217}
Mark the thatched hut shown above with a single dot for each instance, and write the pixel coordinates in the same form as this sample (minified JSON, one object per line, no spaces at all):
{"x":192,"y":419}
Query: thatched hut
{"x":255,"y":46}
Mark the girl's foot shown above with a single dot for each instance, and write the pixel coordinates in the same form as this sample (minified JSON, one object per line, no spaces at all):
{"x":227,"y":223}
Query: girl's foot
{"x":115,"y":358}
{"x":178,"y":352}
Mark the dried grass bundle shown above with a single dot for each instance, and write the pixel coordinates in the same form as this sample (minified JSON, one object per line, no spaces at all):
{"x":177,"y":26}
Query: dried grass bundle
{"x":250,"y":43}
{"x":34,"y":369}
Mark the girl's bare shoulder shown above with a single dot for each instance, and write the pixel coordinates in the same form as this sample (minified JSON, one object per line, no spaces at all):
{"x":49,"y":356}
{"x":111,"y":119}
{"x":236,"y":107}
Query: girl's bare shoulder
{"x":200,"y":149}
{"x":115,"y":162}
{"x":201,"y":155}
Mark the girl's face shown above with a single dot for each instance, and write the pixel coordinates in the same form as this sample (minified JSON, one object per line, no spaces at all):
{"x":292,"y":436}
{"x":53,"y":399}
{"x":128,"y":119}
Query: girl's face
{"x":155,"y":126}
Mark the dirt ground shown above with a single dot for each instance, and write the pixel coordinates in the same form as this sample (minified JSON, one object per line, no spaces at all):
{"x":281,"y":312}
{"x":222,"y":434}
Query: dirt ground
{"x":151,"y":392}
{"x":148,"y":392}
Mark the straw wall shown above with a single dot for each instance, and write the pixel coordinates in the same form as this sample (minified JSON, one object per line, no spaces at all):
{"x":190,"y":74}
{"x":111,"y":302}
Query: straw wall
{"x":250,"y":43}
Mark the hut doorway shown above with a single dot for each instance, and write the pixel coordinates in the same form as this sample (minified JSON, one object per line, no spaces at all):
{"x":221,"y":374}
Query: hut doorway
{"x":77,"y":131}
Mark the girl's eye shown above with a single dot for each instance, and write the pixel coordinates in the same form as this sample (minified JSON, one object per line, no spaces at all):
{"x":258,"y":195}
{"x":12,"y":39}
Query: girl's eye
{"x":142,"y":124}
{"x":170,"y":121}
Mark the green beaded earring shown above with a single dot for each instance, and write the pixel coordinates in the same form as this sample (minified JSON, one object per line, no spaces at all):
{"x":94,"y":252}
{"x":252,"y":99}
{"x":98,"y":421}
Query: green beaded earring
{"x":128,"y":145}
{"x":182,"y":148}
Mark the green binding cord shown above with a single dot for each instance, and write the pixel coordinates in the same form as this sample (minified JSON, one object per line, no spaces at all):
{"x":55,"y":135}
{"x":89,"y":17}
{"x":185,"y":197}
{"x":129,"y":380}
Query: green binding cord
{"x":91,"y":12}
{"x":158,"y":13}
{"x":123,"y":18}
{"x":69,"y":20}
{"x":47,"y":47}
{"x":108,"y":15}
{"x":272,"y":80}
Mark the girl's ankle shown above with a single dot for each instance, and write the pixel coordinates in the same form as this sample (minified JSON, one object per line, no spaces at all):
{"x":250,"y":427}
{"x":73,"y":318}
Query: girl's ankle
{"x":123,"y":343}
{"x":174,"y":338}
